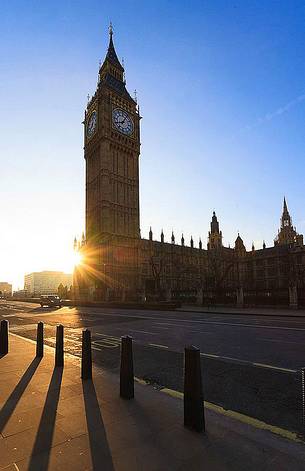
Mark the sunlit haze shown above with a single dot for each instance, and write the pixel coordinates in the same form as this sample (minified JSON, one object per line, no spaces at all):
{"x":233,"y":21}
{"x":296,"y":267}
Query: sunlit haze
{"x":221,"y":88}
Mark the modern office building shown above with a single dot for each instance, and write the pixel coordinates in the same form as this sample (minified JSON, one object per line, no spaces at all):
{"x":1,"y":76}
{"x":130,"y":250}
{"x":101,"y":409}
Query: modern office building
{"x":45,"y":282}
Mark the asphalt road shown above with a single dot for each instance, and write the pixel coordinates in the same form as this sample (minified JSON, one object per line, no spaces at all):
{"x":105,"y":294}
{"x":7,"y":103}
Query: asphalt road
{"x":250,"y":363}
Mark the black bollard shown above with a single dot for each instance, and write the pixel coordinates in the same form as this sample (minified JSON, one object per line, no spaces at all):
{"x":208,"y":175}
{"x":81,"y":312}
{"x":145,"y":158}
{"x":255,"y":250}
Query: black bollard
{"x":126,"y":371}
{"x":4,"y":337}
{"x":59,"y":349}
{"x":86,"y":355}
{"x":39,"y":343}
{"x":193,"y":395}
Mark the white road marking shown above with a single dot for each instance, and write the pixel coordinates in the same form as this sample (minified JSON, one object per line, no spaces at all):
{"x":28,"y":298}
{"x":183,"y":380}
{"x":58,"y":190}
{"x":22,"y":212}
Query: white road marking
{"x":25,"y":327}
{"x":263,"y":365}
{"x":209,"y":355}
{"x":143,"y":332}
{"x":95,"y":348}
{"x":235,"y":359}
{"x":281,"y":341}
{"x":112,"y":337}
{"x":235,"y":324}
{"x":158,"y":346}
{"x":107,"y":341}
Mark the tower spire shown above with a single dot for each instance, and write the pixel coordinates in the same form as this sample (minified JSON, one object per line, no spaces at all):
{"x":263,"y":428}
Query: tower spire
{"x":111,"y":56}
{"x":285,"y":209}
{"x":286,"y":218}
{"x":111,"y":72}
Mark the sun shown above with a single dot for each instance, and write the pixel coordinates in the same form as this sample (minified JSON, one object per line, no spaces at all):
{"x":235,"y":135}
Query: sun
{"x":77,"y":258}
{"x":69,"y":261}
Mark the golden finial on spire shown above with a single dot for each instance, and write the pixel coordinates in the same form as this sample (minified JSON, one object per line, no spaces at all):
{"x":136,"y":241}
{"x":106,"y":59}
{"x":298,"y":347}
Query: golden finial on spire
{"x":110,"y":29}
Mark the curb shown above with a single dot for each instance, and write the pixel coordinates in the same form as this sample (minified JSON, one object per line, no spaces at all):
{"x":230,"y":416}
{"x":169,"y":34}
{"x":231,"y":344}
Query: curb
{"x":241,"y":417}
{"x":301,"y":316}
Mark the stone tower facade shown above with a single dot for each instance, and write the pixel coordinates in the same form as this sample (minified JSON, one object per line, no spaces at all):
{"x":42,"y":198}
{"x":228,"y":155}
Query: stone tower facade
{"x":111,"y":151}
{"x":112,"y":148}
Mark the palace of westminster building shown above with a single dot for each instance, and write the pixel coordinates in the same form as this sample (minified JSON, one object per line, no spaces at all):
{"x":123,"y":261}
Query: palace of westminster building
{"x":119,"y":265}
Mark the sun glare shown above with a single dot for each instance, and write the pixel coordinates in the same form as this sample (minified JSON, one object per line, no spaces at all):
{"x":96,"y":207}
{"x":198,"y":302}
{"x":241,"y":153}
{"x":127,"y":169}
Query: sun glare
{"x":70,"y":261}
{"x":77,"y":258}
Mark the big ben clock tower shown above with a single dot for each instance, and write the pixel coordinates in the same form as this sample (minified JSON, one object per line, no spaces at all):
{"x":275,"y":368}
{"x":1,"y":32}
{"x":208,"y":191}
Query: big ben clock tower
{"x":112,"y":149}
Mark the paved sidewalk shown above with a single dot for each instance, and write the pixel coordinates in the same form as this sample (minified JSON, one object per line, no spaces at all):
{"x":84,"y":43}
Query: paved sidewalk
{"x":49,"y":419}
{"x":250,"y":311}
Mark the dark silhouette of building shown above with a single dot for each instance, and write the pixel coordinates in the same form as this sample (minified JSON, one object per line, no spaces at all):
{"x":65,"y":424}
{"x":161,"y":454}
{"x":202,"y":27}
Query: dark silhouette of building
{"x":118,"y":264}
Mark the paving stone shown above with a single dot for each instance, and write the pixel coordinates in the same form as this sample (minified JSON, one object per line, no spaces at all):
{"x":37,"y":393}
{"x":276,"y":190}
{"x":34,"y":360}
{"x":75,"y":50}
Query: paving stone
{"x":72,"y":455}
{"x":18,"y":446}
{"x":20,"y":421}
{"x":73,"y":424}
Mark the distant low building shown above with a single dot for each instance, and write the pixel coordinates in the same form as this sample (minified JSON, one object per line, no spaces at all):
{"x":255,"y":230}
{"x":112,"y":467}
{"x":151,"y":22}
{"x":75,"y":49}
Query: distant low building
{"x":45,"y":282}
{"x":5,"y":289}
{"x":20,"y":293}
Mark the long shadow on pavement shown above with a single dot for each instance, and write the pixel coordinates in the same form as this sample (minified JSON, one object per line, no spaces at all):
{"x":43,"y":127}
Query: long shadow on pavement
{"x":99,"y":447}
{"x":16,"y":394}
{"x":43,"y":442}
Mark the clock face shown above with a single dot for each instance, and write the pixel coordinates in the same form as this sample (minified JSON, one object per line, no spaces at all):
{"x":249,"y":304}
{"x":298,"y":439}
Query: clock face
{"x":122,"y":121}
{"x":91,"y":126}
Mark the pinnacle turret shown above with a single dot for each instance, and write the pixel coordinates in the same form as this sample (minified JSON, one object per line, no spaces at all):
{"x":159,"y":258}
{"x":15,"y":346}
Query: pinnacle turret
{"x":215,"y":235}
{"x":287,"y":234}
{"x":239,"y":245}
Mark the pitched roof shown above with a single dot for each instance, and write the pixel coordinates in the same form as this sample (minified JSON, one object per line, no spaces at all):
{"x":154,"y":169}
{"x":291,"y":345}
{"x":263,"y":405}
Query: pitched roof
{"x":116,"y":85}
{"x":111,"y":55}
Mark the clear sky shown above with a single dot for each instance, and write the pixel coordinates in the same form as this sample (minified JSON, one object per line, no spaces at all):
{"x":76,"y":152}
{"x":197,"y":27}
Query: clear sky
{"x":221,"y":87}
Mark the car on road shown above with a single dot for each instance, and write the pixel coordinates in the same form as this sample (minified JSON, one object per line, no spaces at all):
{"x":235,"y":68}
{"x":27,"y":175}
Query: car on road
{"x":50,"y":300}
